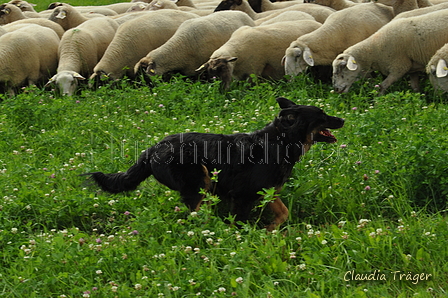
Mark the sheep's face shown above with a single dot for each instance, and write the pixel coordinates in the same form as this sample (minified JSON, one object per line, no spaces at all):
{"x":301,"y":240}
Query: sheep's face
{"x":220,"y":68}
{"x":146,"y":65}
{"x":4,"y":13}
{"x":228,"y":5}
{"x":345,"y":72}
{"x":294,"y":61}
{"x":438,"y":74}
{"x":67,"y":82}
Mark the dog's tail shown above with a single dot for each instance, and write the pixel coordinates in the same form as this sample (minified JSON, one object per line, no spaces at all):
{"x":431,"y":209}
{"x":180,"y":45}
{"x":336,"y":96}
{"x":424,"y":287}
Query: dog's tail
{"x":129,"y":180}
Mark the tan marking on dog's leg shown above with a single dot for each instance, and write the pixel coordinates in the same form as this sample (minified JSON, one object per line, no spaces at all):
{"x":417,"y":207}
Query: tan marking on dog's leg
{"x":207,"y":186}
{"x":280,"y":211}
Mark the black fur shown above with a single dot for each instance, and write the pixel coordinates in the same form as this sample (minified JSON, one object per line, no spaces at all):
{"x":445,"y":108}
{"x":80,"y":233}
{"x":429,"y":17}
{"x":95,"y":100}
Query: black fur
{"x":248,"y":162}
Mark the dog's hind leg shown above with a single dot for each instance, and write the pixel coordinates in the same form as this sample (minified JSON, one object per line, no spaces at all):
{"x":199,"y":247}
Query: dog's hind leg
{"x":191,"y":195}
{"x":280,"y":212}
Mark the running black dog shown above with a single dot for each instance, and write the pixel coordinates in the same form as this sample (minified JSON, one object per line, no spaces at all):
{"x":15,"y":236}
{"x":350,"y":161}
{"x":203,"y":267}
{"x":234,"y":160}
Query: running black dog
{"x":247,"y":162}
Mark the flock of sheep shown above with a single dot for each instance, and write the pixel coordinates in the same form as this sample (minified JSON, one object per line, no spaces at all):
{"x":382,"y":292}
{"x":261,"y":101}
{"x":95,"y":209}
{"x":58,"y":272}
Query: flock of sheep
{"x":231,"y":39}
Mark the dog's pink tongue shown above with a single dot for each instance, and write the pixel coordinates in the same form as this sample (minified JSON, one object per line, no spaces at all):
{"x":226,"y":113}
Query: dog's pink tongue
{"x":327,"y":133}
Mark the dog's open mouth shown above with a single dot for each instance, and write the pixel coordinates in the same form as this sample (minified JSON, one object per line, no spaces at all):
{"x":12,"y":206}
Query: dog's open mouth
{"x":325,"y":135}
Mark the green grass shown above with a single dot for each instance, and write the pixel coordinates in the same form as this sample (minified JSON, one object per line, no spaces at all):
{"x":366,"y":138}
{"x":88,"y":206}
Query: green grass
{"x":371,"y":205}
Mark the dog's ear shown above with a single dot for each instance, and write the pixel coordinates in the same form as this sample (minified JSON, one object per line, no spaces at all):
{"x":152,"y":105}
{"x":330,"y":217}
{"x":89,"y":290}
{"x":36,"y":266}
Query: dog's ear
{"x":284,"y":103}
{"x":289,"y":118}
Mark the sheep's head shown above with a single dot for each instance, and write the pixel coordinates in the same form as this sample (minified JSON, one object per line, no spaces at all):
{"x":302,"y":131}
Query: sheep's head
{"x":146,"y":65}
{"x":297,"y":58}
{"x":228,"y":4}
{"x":345,"y":71}
{"x":438,"y":73}
{"x":161,"y":4}
{"x":66,"y":81}
{"x":58,"y":15}
{"x":5,"y":10}
{"x":23,"y":5}
{"x":220,"y":68}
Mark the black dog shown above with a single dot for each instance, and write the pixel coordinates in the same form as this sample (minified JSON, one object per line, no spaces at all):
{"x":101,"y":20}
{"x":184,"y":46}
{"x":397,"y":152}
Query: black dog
{"x":247,"y":162}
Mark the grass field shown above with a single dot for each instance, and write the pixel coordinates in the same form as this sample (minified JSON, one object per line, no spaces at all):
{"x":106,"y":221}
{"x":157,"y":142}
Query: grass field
{"x":370,"y":206}
{"x":367,"y":214}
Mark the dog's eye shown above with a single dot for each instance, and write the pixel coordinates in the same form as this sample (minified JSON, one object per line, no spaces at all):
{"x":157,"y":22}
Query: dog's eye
{"x":291,"y":117}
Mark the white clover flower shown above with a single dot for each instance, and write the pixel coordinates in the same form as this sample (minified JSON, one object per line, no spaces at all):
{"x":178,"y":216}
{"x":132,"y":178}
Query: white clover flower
{"x":221,"y":289}
{"x":137,"y":286}
{"x":98,"y":272}
{"x":324,"y":242}
{"x":239,"y":280}
{"x":302,"y":266}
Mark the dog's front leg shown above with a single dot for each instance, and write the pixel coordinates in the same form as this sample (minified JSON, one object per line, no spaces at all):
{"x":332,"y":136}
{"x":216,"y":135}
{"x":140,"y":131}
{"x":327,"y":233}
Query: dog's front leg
{"x":280,"y":212}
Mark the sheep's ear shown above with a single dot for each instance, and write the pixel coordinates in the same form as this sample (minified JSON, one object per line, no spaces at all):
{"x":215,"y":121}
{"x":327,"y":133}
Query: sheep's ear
{"x":231,"y":59}
{"x":202,"y":67}
{"x":62,"y":15}
{"x":78,"y":76}
{"x":308,"y":57}
{"x":442,"y":69}
{"x":351,"y":63}
{"x":284,"y":103}
{"x":50,"y":81}
{"x":158,"y":4}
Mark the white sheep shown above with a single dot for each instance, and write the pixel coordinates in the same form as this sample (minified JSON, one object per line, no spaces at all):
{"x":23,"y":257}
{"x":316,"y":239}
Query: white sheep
{"x":2,"y":31}
{"x":169,"y":4}
{"x":438,"y":70}
{"x":268,"y":5}
{"x":256,"y":50}
{"x":319,"y":12}
{"x":91,"y":11}
{"x":135,"y":38}
{"x":193,"y":43}
{"x":12,"y":16}
{"x":342,"y":29}
{"x":10,"y":13}
{"x":80,"y":50}
{"x":422,"y":11}
{"x":293,"y":15}
{"x":27,"y":55}
{"x":68,"y":17}
{"x":336,"y":4}
{"x":402,"y":46}
{"x":137,"y":6}
{"x":26,"y":7}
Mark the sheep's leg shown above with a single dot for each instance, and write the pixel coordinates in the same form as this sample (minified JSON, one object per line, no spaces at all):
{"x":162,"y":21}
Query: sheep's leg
{"x":391,"y":78}
{"x":414,"y":81}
